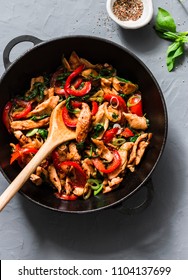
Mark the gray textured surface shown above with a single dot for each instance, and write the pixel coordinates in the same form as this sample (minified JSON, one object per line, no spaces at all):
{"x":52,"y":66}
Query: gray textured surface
{"x":160,"y":232}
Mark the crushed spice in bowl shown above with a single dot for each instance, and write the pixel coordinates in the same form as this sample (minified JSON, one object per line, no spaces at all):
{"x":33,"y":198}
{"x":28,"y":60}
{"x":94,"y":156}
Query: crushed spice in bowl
{"x":128,"y":9}
{"x":130,"y":14}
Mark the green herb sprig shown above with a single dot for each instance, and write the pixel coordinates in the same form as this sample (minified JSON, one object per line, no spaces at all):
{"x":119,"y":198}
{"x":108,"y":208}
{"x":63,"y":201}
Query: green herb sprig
{"x":166,"y":28}
{"x":97,"y":129}
{"x":38,"y":91}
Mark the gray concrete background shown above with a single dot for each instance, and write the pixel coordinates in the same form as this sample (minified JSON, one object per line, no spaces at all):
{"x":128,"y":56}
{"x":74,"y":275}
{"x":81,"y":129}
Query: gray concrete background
{"x":28,"y":231}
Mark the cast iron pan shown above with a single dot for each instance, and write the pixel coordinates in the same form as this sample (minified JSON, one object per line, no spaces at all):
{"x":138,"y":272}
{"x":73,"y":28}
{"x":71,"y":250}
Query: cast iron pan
{"x":46,"y":57}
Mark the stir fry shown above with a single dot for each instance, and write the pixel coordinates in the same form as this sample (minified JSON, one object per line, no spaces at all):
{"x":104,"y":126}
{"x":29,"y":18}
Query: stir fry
{"x":105,"y":111}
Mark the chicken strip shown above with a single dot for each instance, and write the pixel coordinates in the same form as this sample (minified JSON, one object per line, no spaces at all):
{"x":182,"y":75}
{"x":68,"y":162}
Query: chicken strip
{"x":74,"y":60}
{"x":124,"y":87}
{"x":124,"y":151}
{"x":138,"y":150}
{"x":54,"y":177}
{"x":49,"y":92}
{"x":21,"y":137}
{"x":135,"y":146}
{"x":109,"y":185}
{"x":102,"y":150}
{"x":45,"y":108}
{"x":135,"y":121}
{"x":73,"y":152}
{"x":37,"y":180}
{"x":88,"y":167}
{"x":68,"y":186}
{"x":29,"y":124}
{"x":78,"y":191}
{"x":83,"y":124}
{"x":100,"y":118}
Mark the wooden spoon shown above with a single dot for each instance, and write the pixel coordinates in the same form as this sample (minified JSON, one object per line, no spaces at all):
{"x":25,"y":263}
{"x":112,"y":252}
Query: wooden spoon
{"x":58,"y":133}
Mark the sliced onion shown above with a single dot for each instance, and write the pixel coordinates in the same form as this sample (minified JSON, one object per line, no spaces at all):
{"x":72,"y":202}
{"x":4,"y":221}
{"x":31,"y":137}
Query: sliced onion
{"x":120,"y":129}
{"x":114,"y":100}
{"x":32,"y":132}
{"x":118,"y":141}
{"x":87,"y":192}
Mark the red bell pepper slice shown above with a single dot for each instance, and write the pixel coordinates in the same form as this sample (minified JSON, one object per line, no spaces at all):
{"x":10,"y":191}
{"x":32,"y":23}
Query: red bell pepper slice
{"x":22,"y":114}
{"x":95,"y":108}
{"x":111,"y":167}
{"x":122,"y":104}
{"x":76,"y":104}
{"x":6,"y":112}
{"x":127,"y":133}
{"x":109,"y":134}
{"x":78,"y":82}
{"x":19,"y":152}
{"x":59,"y":91}
{"x":67,"y":119}
{"x":80,"y":176}
{"x":66,"y":196}
{"x":134,"y":104}
{"x":71,"y":89}
{"x":57,"y":84}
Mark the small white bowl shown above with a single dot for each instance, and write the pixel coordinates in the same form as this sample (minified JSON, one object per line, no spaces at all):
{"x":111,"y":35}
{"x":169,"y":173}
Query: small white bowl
{"x":130,"y":24}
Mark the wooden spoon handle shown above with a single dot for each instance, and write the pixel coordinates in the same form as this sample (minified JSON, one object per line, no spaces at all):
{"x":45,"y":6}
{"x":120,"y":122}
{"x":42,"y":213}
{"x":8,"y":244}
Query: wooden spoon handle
{"x":22,"y":177}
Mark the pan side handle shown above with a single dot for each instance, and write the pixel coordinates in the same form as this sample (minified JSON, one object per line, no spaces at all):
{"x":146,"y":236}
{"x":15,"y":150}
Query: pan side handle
{"x":131,"y":210}
{"x":14,"y":42}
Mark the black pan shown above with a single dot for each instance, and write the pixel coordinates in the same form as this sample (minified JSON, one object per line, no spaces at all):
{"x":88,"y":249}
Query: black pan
{"x":46,"y":57}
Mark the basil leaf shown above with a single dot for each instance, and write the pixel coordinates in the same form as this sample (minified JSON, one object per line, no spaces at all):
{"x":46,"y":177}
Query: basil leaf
{"x":164,"y":21}
{"x":43,"y":133}
{"x":38,"y":91}
{"x":63,"y":76}
{"x":166,"y":29}
{"x":80,"y":146}
{"x":98,"y":128}
{"x":38,"y":118}
{"x":133,"y":138}
{"x":106,"y":72}
{"x":122,"y":79}
{"x":169,"y":35}
{"x":175,"y":50}
{"x":69,"y":106}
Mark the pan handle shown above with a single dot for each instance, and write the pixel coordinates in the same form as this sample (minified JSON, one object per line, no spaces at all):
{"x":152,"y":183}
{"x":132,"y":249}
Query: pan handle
{"x":14,"y":42}
{"x":123,"y":208}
